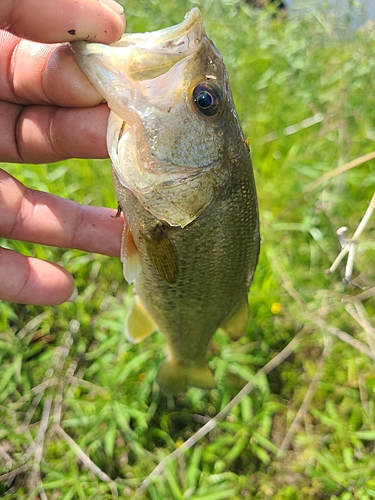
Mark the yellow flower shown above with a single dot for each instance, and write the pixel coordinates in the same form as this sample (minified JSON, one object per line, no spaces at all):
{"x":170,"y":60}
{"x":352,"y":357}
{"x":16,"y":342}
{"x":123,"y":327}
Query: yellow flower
{"x":276,"y":308}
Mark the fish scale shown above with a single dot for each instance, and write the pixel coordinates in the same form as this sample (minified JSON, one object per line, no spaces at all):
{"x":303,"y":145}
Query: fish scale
{"x":184,"y":180}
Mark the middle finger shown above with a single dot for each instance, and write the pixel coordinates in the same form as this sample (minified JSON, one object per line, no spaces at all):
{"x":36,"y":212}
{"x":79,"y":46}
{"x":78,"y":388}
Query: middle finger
{"x":44,"y":134}
{"x":35,"y":73}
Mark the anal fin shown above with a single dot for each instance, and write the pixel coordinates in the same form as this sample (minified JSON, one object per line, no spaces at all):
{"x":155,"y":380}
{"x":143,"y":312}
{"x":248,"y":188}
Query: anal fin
{"x":138,"y":323}
{"x":236,"y":324}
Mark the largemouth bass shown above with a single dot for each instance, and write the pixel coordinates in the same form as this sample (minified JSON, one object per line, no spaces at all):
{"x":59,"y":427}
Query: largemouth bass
{"x":185,"y":183}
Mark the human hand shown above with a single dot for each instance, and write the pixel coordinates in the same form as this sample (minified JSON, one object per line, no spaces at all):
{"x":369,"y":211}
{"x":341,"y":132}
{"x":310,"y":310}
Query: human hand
{"x":49,"y":112}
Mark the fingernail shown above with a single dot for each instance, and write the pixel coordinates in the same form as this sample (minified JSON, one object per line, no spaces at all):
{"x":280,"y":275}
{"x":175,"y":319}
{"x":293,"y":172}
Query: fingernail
{"x":74,"y":295}
{"x":119,"y":9}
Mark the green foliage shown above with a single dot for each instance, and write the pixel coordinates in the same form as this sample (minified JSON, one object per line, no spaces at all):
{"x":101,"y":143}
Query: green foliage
{"x":70,"y":367}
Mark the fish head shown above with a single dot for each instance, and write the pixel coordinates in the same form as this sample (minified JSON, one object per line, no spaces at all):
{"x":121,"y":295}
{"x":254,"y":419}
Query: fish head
{"x":170,"y":104}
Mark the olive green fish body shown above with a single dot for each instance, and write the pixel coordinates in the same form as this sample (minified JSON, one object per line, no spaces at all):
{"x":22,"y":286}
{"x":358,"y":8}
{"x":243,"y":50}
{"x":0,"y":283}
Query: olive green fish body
{"x":184,"y":180}
{"x":214,"y":256}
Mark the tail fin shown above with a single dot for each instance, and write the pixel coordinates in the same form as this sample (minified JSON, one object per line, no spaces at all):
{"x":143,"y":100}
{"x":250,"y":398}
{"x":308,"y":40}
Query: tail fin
{"x":175,"y":378}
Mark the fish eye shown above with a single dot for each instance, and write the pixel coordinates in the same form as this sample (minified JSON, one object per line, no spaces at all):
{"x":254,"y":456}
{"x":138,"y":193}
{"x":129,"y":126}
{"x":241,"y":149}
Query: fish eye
{"x":207,"y":99}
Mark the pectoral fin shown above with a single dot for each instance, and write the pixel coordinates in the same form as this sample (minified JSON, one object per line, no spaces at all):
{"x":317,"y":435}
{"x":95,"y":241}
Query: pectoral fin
{"x":129,"y":256}
{"x":174,"y":378}
{"x":162,"y":254}
{"x":236,"y":324}
{"x":138,"y":323}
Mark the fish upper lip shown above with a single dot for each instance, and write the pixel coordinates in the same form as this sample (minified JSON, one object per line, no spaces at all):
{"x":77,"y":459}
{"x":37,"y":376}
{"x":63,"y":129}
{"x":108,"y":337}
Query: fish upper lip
{"x":169,"y":40}
{"x":179,"y":40}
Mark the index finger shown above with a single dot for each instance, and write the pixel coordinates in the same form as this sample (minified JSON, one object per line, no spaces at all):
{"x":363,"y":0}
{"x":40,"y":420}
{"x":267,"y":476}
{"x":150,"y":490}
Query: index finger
{"x":43,"y":218}
{"x":63,"y":20}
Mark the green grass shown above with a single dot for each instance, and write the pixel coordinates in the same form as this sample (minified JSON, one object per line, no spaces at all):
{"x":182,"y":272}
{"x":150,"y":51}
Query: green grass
{"x":307,"y":430}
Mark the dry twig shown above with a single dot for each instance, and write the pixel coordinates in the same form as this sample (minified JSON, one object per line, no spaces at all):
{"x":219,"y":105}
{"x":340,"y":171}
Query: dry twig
{"x":349,"y":248}
{"x":5,"y":455}
{"x":12,"y":473}
{"x":53,"y":376}
{"x":34,"y":323}
{"x":345,"y":337}
{"x":340,"y":170}
{"x":360,"y":297}
{"x":38,"y":445}
{"x":86,"y":460}
{"x":358,"y":313}
{"x":286,"y":281}
{"x":307,"y":399}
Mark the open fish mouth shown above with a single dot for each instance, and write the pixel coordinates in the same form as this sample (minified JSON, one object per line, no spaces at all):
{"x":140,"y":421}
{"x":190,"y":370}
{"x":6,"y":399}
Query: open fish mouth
{"x":138,"y":57}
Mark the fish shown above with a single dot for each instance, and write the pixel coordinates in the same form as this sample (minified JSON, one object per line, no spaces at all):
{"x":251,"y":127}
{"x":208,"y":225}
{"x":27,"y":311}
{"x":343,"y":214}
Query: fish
{"x":185,"y":183}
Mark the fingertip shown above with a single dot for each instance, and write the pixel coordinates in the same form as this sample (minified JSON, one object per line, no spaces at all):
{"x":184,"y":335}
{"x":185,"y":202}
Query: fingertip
{"x":27,"y":280}
{"x":49,"y":284}
{"x":102,"y":22}
{"x":65,"y":20}
{"x":113,"y":5}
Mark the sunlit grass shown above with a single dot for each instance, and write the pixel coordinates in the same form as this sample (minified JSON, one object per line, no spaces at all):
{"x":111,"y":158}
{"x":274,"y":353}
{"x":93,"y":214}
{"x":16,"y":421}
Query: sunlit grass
{"x":307,"y":429}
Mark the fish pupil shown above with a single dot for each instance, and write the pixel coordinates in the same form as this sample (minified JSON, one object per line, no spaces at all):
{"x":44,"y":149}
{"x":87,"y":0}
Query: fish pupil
{"x":207,"y":99}
{"x":204,"y":99}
